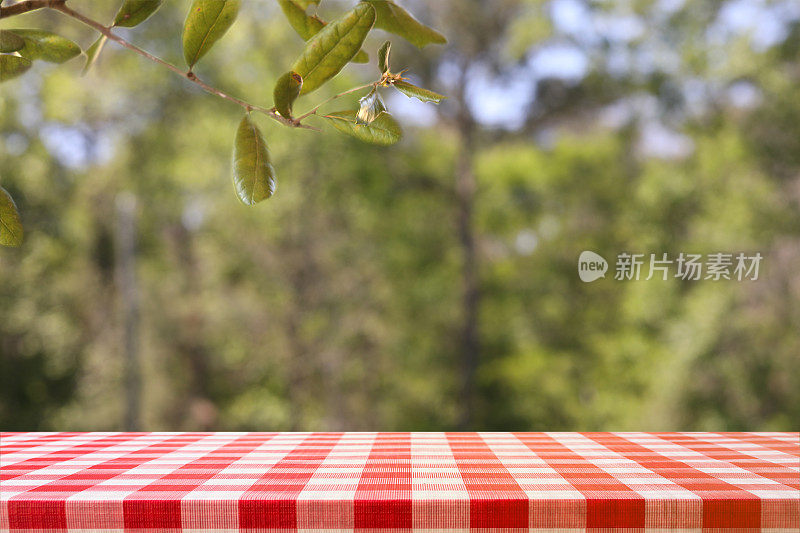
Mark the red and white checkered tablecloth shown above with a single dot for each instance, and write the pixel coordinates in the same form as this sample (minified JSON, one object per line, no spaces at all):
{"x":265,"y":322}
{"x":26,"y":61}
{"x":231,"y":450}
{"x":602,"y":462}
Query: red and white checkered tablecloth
{"x":401,"y":482}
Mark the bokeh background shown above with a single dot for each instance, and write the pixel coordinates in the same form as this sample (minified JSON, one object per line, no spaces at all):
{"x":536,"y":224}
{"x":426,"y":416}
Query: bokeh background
{"x":431,"y":285}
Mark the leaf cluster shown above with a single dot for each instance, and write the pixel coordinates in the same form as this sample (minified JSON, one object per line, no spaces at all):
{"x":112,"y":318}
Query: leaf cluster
{"x":329,"y":47}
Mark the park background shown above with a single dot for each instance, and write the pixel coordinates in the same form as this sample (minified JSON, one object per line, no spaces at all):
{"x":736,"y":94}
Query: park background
{"x":431,"y":285}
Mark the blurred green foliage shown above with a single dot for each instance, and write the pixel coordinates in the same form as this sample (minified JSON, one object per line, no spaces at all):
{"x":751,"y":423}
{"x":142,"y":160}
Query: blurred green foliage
{"x":338,"y":304}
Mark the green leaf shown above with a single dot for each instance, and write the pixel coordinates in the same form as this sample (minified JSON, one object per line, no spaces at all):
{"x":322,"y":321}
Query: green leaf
{"x":13,"y":66}
{"x":46,"y":46}
{"x":253,"y":174}
{"x":206,"y":23}
{"x":412,"y":91}
{"x":384,"y":130}
{"x":92,"y":53}
{"x":327,"y":53}
{"x":11,"y":233}
{"x":307,"y":25}
{"x":397,"y":20}
{"x":305,"y":3}
{"x":134,"y":12}
{"x":383,"y":57}
{"x":287,"y":89}
{"x":9,"y":42}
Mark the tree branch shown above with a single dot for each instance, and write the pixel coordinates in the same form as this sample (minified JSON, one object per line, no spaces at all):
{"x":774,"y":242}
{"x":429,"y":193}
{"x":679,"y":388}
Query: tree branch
{"x":60,"y":6}
{"x":28,"y":5}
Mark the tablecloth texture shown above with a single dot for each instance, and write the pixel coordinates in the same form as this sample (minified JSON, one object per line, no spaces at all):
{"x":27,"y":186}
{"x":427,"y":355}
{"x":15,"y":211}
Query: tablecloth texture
{"x":400,"y":482}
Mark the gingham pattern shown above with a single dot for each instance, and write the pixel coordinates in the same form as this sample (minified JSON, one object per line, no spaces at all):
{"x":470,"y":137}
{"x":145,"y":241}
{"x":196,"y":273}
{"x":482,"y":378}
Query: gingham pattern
{"x":400,"y":482}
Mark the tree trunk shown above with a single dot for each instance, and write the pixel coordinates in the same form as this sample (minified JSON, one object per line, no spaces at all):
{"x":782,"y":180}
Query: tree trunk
{"x":190,"y":342}
{"x":129,"y":296}
{"x":465,"y":190}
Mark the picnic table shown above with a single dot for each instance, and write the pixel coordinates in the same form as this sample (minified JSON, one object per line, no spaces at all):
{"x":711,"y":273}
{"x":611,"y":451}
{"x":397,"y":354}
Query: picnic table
{"x":399,"y":482}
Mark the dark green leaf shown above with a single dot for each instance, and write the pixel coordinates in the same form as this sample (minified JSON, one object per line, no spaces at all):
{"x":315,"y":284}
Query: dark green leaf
{"x":9,"y":42}
{"x":397,"y":20}
{"x":253,"y":174}
{"x":370,"y":107}
{"x":134,"y":12}
{"x":412,"y":91}
{"x":333,"y":47}
{"x":307,"y":25}
{"x":383,"y":57}
{"x":10,"y":225}
{"x":13,"y":66}
{"x":384,"y":130}
{"x":206,"y":23}
{"x":93,"y":52}
{"x":46,"y":46}
{"x":287,"y":89}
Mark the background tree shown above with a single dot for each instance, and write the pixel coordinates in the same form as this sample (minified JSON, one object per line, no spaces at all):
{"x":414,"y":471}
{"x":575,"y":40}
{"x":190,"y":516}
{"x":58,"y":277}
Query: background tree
{"x":644,"y":127}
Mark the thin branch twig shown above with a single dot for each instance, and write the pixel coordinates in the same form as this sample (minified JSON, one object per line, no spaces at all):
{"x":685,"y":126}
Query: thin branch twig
{"x":28,"y":5}
{"x":60,"y":6}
